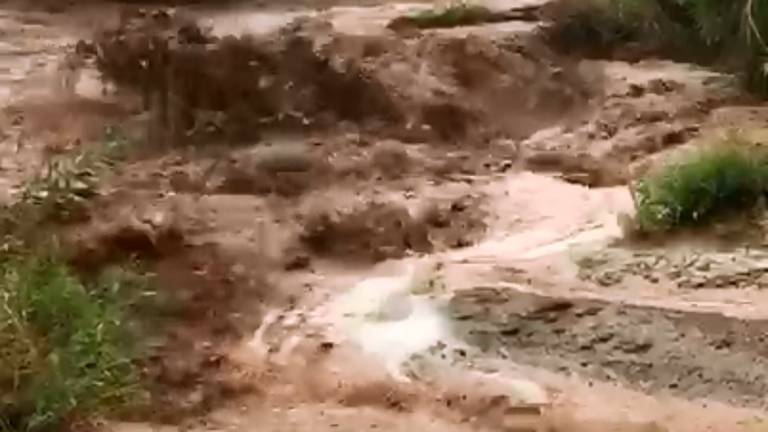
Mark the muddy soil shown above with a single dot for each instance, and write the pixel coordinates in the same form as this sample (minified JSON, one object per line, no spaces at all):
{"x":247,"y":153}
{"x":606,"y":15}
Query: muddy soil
{"x":695,"y":355}
{"x":308,"y":74}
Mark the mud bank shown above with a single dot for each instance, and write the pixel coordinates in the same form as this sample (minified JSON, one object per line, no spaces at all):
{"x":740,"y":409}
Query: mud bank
{"x":689,"y":354}
{"x":439,"y":87}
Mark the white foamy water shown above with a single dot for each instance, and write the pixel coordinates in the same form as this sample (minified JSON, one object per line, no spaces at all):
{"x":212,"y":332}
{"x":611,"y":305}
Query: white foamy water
{"x":386,"y":320}
{"x":252,"y":22}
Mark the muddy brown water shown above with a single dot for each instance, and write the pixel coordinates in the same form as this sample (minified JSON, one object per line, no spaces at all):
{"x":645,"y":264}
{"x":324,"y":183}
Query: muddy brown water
{"x":655,"y":351}
{"x":689,"y":354}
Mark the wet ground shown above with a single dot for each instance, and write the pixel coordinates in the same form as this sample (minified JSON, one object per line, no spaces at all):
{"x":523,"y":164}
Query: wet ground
{"x":696,"y":355}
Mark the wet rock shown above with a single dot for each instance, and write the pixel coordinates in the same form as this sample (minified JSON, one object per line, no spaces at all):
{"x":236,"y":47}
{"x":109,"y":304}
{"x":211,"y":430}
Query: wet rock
{"x":298,"y":261}
{"x":609,"y":278}
{"x":509,"y":331}
{"x":635,"y":90}
{"x":326,"y":347}
{"x":692,"y":282}
{"x":603,"y":338}
{"x":722,"y":344}
{"x":635,"y":347}
{"x":703,"y":266}
{"x":652,"y":278}
{"x":555,"y":306}
{"x":661,"y":86}
{"x":505,"y":166}
{"x":587,"y":345}
{"x":589,"y":311}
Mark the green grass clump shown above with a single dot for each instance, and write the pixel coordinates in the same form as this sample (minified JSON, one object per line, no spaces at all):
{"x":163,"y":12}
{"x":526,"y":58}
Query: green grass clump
{"x":714,"y":181}
{"x":61,"y":191}
{"x":65,"y":351}
{"x":454,"y":15}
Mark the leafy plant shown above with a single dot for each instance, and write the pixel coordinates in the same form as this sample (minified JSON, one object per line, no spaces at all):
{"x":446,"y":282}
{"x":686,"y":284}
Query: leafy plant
{"x":453,"y":15}
{"x":66,"y":353}
{"x":731,"y":33}
{"x":61,"y":191}
{"x":601,"y":25}
{"x":724,"y":177}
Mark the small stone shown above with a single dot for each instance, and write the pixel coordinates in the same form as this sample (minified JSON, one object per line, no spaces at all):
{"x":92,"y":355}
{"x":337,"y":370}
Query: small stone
{"x":635,"y":90}
{"x":326,"y":347}
{"x":697,"y":282}
{"x":609,"y":278}
{"x":589,"y":311}
{"x":511,"y":331}
{"x":506,"y":166}
{"x":298,"y":262}
{"x":586,"y":346}
{"x":632,"y":347}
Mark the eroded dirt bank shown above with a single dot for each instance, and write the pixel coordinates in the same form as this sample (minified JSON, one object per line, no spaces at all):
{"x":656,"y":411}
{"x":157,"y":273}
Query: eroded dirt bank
{"x":692,"y":354}
{"x":286,"y":185}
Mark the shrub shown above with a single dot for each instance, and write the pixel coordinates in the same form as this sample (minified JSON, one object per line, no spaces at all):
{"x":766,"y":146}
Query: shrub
{"x":65,"y":352}
{"x":61,"y":191}
{"x":715,"y":180}
{"x":731,"y":33}
{"x":600,"y":26}
{"x":454,"y":15}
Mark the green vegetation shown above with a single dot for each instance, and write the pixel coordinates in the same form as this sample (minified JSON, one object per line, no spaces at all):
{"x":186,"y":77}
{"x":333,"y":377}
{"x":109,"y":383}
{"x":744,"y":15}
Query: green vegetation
{"x":716,"y":180}
{"x":65,"y":349}
{"x":729,"y":34}
{"x":453,"y":15}
{"x":61,"y":191}
{"x":599,"y":26}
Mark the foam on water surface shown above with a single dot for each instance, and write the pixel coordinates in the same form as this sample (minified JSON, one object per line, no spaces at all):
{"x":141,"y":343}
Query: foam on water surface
{"x":386,"y":320}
